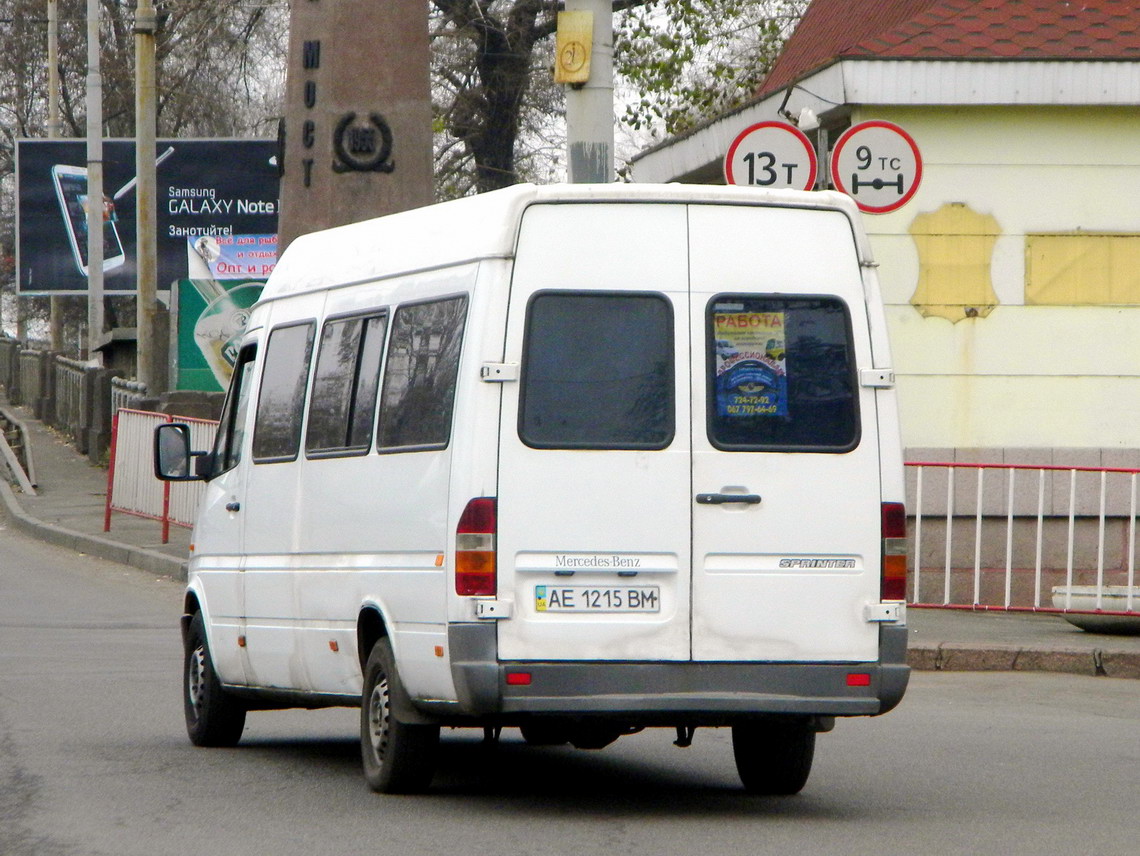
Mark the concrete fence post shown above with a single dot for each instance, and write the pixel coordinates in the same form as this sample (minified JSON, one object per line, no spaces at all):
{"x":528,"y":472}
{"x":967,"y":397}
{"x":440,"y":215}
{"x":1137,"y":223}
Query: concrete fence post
{"x":99,"y":431}
{"x":47,"y":388}
{"x":9,"y":348}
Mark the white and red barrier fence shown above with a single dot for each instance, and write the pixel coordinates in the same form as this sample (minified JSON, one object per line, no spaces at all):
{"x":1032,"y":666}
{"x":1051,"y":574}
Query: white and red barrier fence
{"x":132,"y":487}
{"x":1023,"y":538}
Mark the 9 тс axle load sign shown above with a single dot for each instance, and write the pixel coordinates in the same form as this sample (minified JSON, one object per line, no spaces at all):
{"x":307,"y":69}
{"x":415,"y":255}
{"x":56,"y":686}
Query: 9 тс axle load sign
{"x":215,"y":189}
{"x":878,"y":165}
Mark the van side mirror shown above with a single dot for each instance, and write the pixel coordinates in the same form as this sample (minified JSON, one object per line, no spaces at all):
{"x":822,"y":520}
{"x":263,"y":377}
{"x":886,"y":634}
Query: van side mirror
{"x":172,"y":455}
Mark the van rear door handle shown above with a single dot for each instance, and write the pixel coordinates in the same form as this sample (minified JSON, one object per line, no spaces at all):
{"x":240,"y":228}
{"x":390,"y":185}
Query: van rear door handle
{"x":233,"y":506}
{"x":721,"y":498}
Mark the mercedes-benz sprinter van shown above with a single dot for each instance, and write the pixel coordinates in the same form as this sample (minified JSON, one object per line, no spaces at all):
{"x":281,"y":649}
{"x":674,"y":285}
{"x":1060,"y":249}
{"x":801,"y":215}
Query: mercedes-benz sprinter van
{"x":579,"y":460}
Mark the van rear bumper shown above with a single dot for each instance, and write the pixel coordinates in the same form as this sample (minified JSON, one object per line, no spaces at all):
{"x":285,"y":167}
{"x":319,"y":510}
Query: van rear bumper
{"x":665,"y":691}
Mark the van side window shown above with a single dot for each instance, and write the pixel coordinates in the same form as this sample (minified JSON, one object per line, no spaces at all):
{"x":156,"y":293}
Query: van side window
{"x":228,"y":440}
{"x":281,"y":403}
{"x":343,"y":402}
{"x":780,"y":374}
{"x":598,"y":371}
{"x":420,"y":375}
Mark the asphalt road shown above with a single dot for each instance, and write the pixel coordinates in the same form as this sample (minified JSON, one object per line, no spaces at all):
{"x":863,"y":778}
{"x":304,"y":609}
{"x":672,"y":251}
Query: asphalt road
{"x":94,"y":760}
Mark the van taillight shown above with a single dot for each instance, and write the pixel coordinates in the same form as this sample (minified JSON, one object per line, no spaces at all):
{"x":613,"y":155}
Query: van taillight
{"x":475,"y":548}
{"x":893,"y":585}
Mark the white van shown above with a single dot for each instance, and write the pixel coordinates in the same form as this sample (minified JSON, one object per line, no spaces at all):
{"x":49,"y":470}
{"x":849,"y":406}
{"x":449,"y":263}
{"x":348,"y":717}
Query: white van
{"x":579,"y":460}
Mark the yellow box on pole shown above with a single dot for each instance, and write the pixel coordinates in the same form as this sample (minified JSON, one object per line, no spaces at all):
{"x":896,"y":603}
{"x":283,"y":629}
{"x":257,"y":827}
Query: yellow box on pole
{"x":572,"y":47}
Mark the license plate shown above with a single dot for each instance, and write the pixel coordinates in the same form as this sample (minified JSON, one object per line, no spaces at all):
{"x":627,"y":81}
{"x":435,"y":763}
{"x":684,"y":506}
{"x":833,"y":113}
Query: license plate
{"x":597,"y":598}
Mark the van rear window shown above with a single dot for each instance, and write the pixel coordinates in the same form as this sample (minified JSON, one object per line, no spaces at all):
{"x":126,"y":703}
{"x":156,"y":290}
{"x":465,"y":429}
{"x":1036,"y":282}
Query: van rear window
{"x":598,"y":371}
{"x":781,"y":374}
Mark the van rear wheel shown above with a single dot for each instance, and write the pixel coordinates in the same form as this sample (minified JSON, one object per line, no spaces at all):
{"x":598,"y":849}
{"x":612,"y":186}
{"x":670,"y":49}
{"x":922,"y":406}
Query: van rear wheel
{"x":399,"y":757}
{"x":774,"y":758}
{"x":213,"y":716}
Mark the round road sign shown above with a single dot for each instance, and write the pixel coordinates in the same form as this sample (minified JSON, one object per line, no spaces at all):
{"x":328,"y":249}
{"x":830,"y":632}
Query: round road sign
{"x":878,"y":165}
{"x":773,"y":155}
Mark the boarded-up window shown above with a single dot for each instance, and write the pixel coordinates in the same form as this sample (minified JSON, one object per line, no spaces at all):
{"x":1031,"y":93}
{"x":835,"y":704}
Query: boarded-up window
{"x":1082,"y":269}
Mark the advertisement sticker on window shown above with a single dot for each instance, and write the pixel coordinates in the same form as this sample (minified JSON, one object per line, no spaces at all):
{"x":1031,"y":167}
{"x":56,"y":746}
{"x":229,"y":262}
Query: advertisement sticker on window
{"x":751,"y":379}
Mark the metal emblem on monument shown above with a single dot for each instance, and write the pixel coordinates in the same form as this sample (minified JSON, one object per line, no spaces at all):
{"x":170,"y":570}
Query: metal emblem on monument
{"x":362,"y":147}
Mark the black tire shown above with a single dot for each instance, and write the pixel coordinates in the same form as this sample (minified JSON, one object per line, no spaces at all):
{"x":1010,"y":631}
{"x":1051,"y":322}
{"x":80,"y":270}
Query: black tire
{"x":399,"y":757}
{"x":213,"y":716}
{"x":773,"y":758}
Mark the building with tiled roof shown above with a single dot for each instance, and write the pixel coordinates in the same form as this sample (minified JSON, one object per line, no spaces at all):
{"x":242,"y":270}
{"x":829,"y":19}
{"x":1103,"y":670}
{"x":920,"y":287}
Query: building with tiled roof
{"x":1012,"y":275}
{"x":833,"y":30}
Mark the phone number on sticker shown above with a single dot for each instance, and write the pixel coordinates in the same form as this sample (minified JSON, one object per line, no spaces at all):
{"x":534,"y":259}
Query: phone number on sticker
{"x":595,"y":599}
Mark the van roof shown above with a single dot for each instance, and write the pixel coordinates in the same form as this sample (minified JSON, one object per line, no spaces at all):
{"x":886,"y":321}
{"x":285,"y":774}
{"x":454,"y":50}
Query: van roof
{"x":486,"y":226}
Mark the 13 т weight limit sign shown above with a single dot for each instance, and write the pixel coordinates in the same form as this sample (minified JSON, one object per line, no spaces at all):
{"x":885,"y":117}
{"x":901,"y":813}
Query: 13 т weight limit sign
{"x":878,"y":165}
{"x":772,"y":155}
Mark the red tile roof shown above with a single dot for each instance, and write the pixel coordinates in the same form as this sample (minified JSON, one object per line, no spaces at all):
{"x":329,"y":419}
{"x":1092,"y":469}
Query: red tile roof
{"x":957,"y":29}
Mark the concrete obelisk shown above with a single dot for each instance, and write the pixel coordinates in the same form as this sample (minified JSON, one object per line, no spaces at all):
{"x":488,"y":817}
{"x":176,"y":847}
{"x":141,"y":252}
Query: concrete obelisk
{"x":356,"y":137}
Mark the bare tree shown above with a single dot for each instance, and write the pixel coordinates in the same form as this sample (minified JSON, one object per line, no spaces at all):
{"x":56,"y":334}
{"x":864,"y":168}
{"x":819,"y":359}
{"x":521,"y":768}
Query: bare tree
{"x":485,"y":61}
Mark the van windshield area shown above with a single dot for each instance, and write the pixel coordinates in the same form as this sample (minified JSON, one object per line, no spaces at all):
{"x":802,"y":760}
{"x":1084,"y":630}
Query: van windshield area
{"x":780,"y":374}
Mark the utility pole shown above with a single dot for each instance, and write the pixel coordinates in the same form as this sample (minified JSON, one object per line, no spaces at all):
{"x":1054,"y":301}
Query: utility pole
{"x":147,"y":369}
{"x":53,"y":128}
{"x":589,"y":102}
{"x":94,"y":185}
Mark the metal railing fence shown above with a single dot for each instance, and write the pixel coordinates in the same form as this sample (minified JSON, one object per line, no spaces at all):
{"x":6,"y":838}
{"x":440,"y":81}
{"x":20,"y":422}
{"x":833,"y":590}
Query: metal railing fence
{"x":1069,"y":529}
{"x":70,"y":396}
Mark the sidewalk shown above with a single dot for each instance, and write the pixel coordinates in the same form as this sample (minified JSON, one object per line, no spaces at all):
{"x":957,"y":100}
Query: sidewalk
{"x":69,"y":505}
{"x":68,"y":510}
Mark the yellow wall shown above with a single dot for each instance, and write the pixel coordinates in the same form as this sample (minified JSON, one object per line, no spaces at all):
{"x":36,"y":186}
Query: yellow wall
{"x":1059,"y":366}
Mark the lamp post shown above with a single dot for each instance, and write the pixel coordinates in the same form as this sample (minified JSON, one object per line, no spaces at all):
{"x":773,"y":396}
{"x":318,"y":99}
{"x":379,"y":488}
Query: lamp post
{"x":53,"y":128}
{"x":146,"y":175}
{"x":94,"y":184}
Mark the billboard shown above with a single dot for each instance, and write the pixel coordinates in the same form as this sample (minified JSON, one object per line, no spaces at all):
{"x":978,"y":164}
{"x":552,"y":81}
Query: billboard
{"x":212,"y":189}
{"x":211,"y":318}
{"x":211,"y":306}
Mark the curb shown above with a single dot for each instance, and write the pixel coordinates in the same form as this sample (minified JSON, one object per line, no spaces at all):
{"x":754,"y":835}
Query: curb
{"x":964,"y":657}
{"x":136,"y":557}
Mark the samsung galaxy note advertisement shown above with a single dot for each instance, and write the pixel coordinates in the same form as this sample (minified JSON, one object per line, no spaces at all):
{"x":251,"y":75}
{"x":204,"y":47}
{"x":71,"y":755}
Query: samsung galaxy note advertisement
{"x":211,"y":190}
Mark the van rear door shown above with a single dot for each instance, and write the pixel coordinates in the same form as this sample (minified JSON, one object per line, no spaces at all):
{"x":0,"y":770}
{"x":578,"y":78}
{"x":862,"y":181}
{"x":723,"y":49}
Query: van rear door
{"x":593,"y":536}
{"x":786,"y":484}
{"x":687,"y":467}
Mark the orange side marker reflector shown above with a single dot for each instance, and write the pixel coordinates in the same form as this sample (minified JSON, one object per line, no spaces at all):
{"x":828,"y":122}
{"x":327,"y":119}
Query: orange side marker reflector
{"x":439,"y":650}
{"x":333,"y":646}
{"x":241,"y":641}
{"x":439,"y":560}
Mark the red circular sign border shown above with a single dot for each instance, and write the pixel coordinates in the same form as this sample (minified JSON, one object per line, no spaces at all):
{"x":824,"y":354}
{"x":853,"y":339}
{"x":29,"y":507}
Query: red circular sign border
{"x":813,"y":161}
{"x":877,"y":123}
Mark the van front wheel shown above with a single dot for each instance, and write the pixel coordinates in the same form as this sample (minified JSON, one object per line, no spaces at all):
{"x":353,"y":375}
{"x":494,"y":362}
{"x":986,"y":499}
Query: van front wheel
{"x":399,"y":757}
{"x":213,"y":716}
{"x":774,"y":758}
